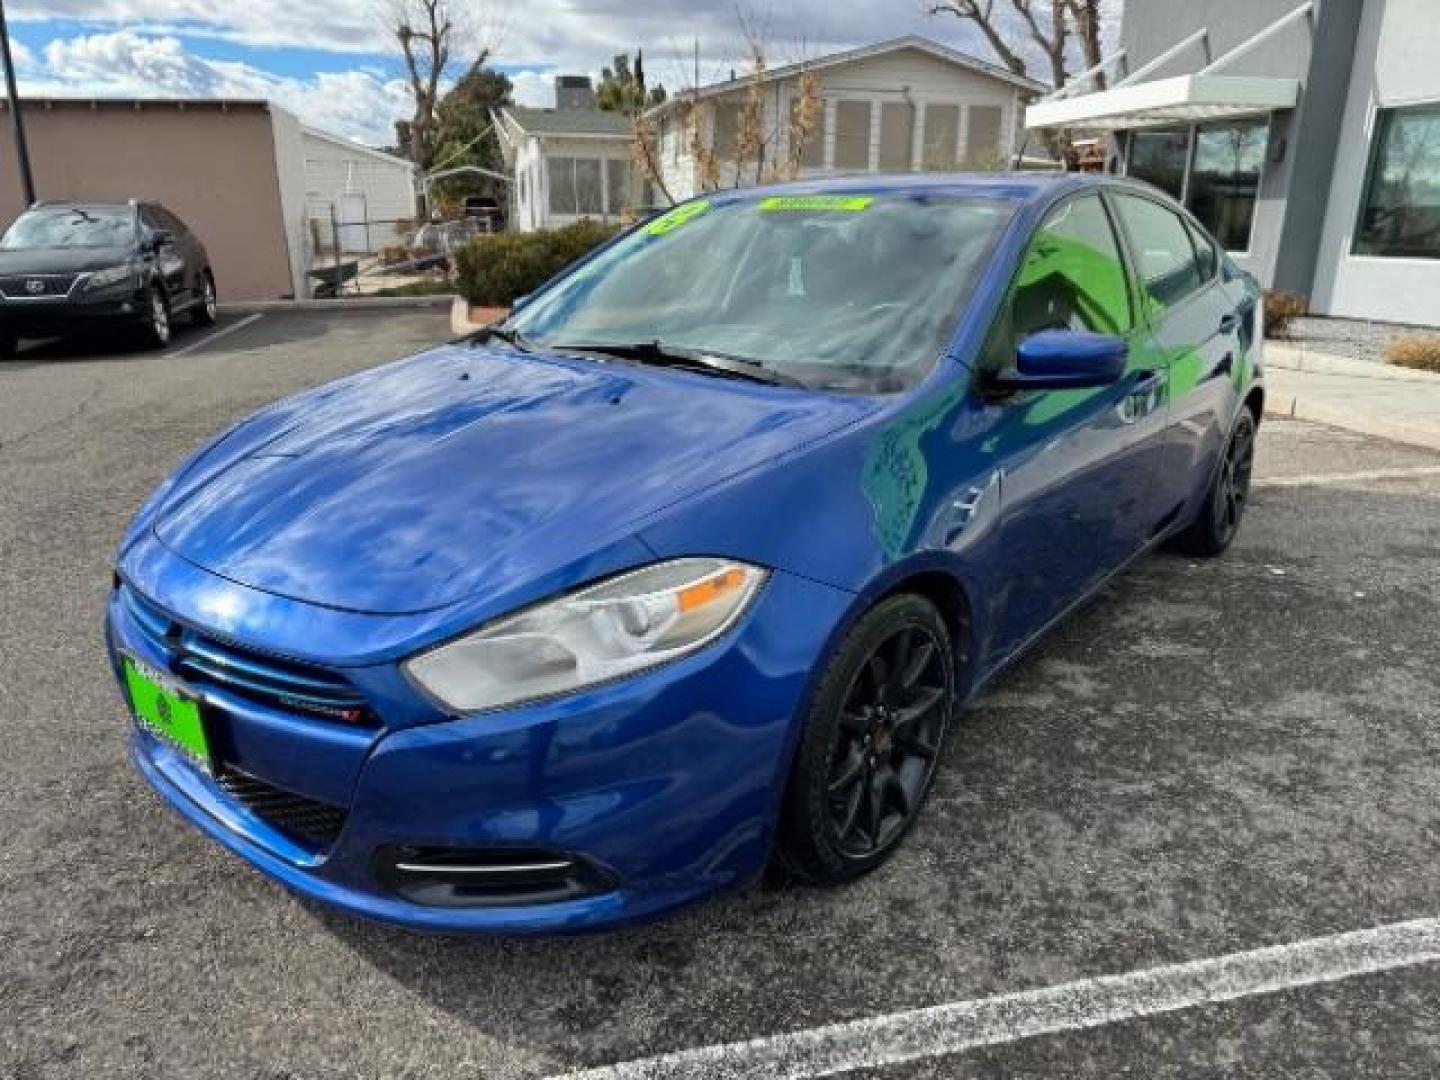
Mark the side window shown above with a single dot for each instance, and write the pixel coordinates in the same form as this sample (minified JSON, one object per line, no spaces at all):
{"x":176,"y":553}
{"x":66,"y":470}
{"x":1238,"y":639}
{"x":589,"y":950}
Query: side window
{"x":1072,"y":278}
{"x":1164,"y":255}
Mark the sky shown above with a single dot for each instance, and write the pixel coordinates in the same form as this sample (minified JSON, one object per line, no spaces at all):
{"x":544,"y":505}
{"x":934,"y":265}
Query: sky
{"x":331,"y":62}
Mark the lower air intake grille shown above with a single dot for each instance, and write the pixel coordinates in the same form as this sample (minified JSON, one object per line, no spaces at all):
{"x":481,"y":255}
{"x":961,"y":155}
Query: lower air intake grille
{"x":314,"y":824}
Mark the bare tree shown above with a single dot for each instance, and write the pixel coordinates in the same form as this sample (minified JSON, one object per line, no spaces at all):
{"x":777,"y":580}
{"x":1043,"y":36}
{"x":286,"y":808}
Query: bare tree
{"x":428,"y":34}
{"x":1049,"y":24}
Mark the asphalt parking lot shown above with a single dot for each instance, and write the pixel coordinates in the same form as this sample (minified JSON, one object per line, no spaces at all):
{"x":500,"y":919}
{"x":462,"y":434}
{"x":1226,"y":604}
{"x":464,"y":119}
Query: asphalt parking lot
{"x":1212,"y":758}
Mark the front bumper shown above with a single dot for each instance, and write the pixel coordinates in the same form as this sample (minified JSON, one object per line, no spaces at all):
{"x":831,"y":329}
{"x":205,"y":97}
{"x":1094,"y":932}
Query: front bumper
{"x":665,"y":785}
{"x":81,"y":311}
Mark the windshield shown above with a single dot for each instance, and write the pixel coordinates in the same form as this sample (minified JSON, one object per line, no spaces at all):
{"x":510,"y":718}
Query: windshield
{"x":70,"y":227}
{"x":846,"y":292}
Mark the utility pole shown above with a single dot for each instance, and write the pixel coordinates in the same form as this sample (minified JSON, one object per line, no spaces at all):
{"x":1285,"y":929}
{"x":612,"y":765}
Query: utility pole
{"x":17,"y":122}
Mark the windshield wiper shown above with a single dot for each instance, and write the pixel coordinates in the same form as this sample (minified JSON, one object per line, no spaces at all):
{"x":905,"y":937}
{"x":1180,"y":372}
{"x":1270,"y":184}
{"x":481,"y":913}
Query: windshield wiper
{"x":704,"y":360}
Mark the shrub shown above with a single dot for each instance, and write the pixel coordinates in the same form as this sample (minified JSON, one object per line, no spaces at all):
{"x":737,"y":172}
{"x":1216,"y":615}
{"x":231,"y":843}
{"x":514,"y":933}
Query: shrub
{"x":493,"y":270}
{"x":1415,"y":351}
{"x":1280,"y":308}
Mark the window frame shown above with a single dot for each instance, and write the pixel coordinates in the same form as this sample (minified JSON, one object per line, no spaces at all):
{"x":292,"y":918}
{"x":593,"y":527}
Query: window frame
{"x":1378,"y":116}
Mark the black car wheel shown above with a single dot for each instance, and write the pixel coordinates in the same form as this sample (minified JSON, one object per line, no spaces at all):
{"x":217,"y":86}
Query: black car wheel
{"x":208,"y":308}
{"x":157,"y":319}
{"x":1214,"y":530}
{"x":871,"y":743}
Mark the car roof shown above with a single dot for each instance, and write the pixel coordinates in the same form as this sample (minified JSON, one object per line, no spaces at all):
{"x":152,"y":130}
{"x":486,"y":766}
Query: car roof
{"x":83,"y":204}
{"x":1013,"y":186}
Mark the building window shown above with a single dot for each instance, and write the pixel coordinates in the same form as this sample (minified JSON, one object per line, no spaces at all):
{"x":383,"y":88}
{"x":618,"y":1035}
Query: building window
{"x":1400,"y":213}
{"x":812,"y":150}
{"x":897,"y":136}
{"x":727,"y":130}
{"x":1225,"y":179}
{"x":942,"y":137}
{"x":1159,"y":158}
{"x":589,"y":196}
{"x":852,"y":135}
{"x":617,"y":185}
{"x":1218,"y":182}
{"x":984,"y":138}
{"x":562,"y":185}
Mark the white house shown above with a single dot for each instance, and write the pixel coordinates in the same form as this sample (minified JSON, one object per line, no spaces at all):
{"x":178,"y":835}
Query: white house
{"x":568,"y":163}
{"x":368,"y":191}
{"x":902,"y":105}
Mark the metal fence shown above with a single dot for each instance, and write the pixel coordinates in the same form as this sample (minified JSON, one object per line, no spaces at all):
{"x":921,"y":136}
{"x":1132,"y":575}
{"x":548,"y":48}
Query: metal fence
{"x":371,"y":257}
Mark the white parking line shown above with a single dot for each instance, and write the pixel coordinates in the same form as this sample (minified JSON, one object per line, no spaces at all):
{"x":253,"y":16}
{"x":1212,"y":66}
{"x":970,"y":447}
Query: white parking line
{"x":948,"y":1029}
{"x":221,"y":332}
{"x":1323,"y":479}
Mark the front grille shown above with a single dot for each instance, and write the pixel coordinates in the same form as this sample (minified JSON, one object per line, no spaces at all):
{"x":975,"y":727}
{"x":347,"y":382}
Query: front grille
{"x":314,"y":824}
{"x":37,"y":286}
{"x":205,"y":661}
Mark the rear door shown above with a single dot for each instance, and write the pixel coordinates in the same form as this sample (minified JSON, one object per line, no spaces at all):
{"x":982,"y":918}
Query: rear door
{"x":1196,"y":326}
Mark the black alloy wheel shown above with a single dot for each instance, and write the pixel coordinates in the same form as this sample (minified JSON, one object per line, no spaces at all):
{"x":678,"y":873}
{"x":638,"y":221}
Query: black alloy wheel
{"x":872,"y":743}
{"x":1219,"y":520}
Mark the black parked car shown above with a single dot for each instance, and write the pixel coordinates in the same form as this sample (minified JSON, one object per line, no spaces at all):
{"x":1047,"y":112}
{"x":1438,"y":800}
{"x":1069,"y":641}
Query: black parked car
{"x":66,"y":267}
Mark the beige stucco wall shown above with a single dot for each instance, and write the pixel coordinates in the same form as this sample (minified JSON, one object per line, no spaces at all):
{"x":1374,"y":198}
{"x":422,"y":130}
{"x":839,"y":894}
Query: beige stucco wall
{"x":214,"y":167}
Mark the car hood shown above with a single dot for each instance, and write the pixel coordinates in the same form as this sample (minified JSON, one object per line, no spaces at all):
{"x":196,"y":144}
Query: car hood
{"x":61,"y":260}
{"x":466,"y":470}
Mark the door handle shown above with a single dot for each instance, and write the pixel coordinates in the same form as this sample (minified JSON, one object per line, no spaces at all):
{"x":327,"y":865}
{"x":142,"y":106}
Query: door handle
{"x":1230,"y":323}
{"x":1144,"y":397}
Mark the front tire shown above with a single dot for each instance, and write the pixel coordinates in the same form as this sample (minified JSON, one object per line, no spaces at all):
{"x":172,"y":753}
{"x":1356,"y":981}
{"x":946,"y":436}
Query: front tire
{"x":156,"y":328}
{"x":871,"y":744}
{"x":1219,"y":521}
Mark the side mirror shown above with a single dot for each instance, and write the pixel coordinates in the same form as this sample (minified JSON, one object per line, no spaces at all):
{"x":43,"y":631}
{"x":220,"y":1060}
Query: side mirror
{"x":159,"y":238}
{"x":1065,"y":360}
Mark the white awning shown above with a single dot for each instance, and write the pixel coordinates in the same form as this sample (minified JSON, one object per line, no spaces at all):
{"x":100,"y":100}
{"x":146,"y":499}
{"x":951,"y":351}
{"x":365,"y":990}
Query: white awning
{"x":1186,"y":99}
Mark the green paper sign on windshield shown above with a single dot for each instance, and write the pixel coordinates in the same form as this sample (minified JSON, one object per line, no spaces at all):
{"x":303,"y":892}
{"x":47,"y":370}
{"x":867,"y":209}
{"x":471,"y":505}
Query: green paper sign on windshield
{"x":850,"y":203}
{"x":671,"y":220}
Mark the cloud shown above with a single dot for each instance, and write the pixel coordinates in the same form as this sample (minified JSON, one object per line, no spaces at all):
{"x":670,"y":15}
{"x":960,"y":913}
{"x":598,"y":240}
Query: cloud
{"x":358,"y":104}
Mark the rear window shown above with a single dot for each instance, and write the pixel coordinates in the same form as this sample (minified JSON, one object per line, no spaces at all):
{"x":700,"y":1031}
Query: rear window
{"x":70,"y":227}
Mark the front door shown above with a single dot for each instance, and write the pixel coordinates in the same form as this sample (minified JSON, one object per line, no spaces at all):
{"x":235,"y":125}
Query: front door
{"x":1077,"y":466}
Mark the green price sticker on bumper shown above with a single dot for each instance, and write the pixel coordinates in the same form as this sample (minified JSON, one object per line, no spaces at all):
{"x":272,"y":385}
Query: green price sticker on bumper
{"x":671,"y":220}
{"x":850,"y":203}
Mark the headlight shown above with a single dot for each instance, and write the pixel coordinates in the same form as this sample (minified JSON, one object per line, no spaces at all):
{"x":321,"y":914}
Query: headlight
{"x":111,"y":275}
{"x":600,"y":633}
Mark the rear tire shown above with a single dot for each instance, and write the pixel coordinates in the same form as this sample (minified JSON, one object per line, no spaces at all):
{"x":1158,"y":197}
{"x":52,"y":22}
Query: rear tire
{"x":1219,"y":520}
{"x":207,"y":310}
{"x":871,"y":744}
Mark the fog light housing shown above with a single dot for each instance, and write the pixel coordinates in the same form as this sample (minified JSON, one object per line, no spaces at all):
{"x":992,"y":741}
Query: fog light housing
{"x":487,"y":877}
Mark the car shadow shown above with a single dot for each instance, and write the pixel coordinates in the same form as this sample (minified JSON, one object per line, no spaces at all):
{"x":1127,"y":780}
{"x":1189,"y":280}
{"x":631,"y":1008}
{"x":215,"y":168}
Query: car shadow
{"x":1167,"y":776}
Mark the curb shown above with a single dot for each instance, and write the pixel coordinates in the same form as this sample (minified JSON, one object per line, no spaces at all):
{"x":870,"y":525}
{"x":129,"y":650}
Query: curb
{"x":1295,"y":407}
{"x":1299,"y":358}
{"x":358,"y":303}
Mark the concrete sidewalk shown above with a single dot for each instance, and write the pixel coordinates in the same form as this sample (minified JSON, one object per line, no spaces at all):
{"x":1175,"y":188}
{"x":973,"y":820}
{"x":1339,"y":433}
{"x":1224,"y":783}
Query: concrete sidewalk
{"x":1374,"y":399}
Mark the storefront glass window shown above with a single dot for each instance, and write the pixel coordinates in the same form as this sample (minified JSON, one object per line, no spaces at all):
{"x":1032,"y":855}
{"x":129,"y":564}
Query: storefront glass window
{"x":1400,"y":214}
{"x":1159,"y":158}
{"x":1225,"y":179}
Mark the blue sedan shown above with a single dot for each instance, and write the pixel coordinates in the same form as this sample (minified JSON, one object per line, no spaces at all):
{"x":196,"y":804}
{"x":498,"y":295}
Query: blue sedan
{"x":687,"y":567}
